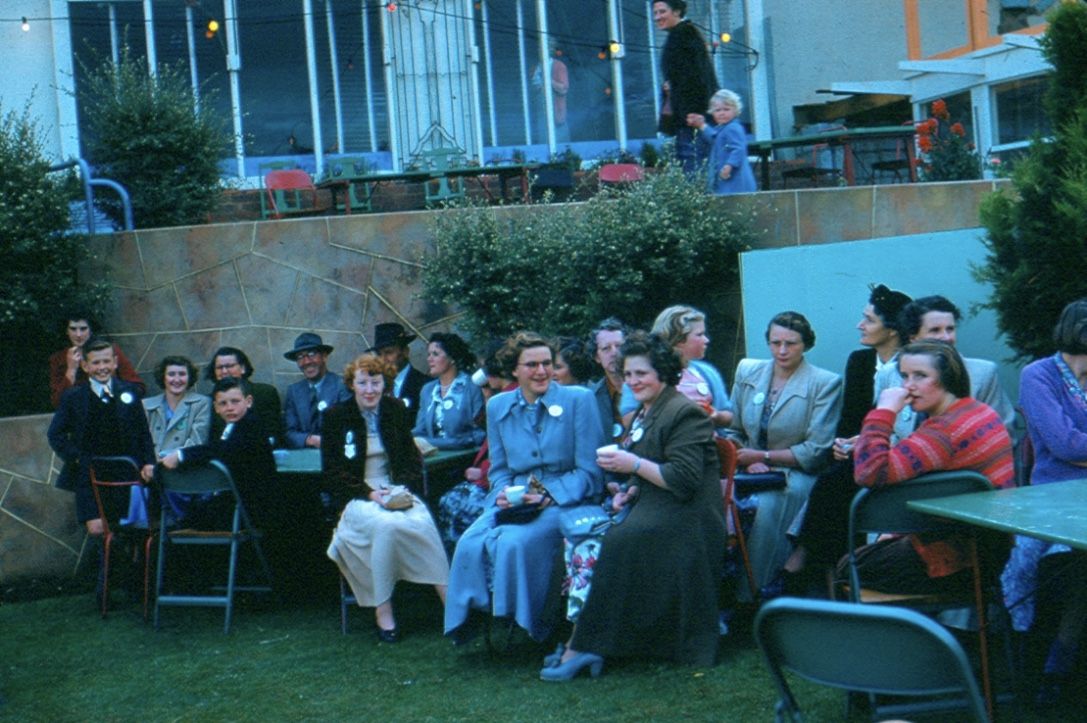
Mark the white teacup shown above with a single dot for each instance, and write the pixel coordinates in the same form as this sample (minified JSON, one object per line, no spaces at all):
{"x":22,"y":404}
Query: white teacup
{"x":607,"y":449}
{"x":515,"y":494}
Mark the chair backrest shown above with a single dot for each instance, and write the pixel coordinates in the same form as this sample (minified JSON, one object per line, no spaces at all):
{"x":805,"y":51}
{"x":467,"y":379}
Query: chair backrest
{"x":211,"y":477}
{"x":198,"y":479}
{"x":288,"y":179}
{"x":872,"y":649}
{"x":727,"y":456}
{"x":112,"y":480}
{"x":621,"y":173}
{"x":883,"y":509}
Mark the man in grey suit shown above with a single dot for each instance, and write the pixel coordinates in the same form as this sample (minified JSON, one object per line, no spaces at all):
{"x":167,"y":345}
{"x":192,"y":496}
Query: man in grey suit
{"x":308,"y":398}
{"x":613,"y":398}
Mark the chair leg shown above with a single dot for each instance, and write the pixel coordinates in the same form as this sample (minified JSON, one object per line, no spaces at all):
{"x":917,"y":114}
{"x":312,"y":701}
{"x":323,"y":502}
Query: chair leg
{"x":230,"y":582}
{"x":147,"y":573}
{"x":343,"y":605}
{"x":983,"y":633}
{"x":741,"y":539}
{"x":160,"y":570}
{"x":107,"y":541}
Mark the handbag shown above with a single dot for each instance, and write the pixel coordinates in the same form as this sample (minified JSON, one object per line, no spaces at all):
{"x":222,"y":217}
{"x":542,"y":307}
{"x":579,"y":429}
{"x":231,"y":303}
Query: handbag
{"x":398,"y":498}
{"x":751,"y":482}
{"x":518,"y":514}
{"x":584,"y":521}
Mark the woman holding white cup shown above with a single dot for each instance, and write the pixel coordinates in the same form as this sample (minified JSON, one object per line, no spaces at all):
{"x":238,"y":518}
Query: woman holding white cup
{"x":539,"y":431}
{"x":654,"y":586}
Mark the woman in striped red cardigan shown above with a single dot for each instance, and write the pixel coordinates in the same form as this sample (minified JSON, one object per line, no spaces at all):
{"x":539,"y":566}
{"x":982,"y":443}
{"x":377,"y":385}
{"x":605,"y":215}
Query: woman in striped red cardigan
{"x":957,"y":433}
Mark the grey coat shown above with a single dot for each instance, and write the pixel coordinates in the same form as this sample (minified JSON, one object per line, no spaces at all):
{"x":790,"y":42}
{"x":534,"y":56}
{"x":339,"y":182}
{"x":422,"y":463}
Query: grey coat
{"x":188,"y":427}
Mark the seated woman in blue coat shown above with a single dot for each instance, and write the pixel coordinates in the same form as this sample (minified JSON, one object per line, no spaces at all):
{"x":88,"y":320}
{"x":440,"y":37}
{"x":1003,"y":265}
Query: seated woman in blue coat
{"x":725,"y":142}
{"x":450,"y":404}
{"x":539,"y":430}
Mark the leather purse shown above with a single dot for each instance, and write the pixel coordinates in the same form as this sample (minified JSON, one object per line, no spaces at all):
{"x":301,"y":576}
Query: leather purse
{"x":399,"y":498}
{"x":518,"y":514}
{"x":749,"y":482}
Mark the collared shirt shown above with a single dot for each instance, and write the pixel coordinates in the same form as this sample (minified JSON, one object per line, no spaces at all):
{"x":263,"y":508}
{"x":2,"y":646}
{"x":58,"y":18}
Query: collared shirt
{"x":401,"y":377}
{"x":97,"y":387}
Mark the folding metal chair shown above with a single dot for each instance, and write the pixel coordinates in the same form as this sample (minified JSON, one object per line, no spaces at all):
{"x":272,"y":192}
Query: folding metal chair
{"x":212,"y":478}
{"x":286,"y":190}
{"x":620,"y":173}
{"x":874,"y":650}
{"x":118,"y":489}
{"x":884,"y":510}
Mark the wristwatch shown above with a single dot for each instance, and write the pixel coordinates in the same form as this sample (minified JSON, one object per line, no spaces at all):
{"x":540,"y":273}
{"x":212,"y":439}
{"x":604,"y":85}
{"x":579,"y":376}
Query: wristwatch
{"x":766,"y":457}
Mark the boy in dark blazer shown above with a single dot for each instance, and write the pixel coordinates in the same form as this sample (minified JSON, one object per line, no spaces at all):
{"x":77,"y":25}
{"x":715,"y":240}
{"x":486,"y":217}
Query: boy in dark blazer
{"x":101,"y":418}
{"x":243,"y":448}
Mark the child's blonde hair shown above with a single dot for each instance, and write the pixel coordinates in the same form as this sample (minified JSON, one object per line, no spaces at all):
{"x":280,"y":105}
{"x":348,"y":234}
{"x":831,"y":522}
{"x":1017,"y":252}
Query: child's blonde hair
{"x":726,"y":97}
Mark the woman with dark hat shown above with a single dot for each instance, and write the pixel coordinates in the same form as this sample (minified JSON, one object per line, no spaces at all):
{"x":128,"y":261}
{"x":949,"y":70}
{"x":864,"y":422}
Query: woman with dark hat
{"x":821,"y":537}
{"x":391,"y":344}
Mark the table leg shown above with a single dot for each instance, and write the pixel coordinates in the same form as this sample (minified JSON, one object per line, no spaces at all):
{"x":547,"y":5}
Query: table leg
{"x":765,"y":163}
{"x":847,"y":164}
{"x":911,"y":158}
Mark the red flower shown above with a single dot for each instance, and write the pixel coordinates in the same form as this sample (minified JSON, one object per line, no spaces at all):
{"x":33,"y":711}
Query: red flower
{"x":958,"y":130}
{"x":925,"y":143}
{"x":939,"y":109}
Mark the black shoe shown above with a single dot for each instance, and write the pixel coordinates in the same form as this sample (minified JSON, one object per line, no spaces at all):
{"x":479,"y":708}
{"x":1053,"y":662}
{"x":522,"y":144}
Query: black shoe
{"x":388,"y":636}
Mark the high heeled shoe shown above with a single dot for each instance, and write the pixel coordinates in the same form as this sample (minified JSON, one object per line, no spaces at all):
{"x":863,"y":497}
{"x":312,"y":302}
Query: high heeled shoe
{"x":550,"y":661}
{"x":573,"y":666}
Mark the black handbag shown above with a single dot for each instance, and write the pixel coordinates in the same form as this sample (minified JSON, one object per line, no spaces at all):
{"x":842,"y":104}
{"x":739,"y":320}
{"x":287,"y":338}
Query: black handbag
{"x":518,"y":514}
{"x":748,"y":483}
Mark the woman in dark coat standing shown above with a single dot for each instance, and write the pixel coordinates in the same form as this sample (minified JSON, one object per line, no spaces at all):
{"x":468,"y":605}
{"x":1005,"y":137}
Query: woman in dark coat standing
{"x":689,"y":80}
{"x":655,"y":585}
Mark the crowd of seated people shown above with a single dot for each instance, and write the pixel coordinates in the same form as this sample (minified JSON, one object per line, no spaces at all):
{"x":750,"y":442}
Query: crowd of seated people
{"x":595,"y":472}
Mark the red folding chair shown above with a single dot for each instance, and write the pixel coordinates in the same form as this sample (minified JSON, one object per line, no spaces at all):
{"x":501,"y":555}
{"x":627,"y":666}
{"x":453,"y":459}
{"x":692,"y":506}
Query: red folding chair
{"x":286,"y":190}
{"x":114,"y":481}
{"x":726,"y":453}
{"x":618,"y":173}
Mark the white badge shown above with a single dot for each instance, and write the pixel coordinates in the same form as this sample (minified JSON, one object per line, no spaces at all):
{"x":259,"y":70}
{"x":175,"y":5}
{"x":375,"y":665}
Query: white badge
{"x":349,"y":451}
{"x":322,"y":405}
{"x":616,"y":430}
{"x":759,"y":398}
{"x":407,"y":402}
{"x":447,"y":404}
{"x":636,"y":434}
{"x":555,"y":410}
{"x":703,"y":388}
{"x":126,"y":397}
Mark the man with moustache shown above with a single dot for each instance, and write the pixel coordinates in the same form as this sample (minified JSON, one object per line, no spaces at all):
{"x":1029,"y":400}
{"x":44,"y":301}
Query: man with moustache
{"x":308,"y":398}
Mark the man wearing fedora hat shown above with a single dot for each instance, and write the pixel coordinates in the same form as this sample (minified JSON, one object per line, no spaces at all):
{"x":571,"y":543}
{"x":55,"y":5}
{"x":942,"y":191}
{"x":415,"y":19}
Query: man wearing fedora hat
{"x":391,"y":344}
{"x":309,"y":397}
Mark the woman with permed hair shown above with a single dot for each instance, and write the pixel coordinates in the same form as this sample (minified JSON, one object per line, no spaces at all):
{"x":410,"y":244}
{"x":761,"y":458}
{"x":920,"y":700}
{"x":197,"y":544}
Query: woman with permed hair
{"x":786,"y":414}
{"x":543,"y":439}
{"x":653,"y":587}
{"x":382,"y":537}
{"x":179,"y":417}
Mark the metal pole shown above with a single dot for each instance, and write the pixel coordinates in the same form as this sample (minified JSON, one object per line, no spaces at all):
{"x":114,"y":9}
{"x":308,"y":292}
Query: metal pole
{"x":149,"y":33}
{"x":114,"y":40}
{"x":233,"y":67}
{"x":195,"y":77}
{"x":368,"y":74}
{"x":760,"y":81}
{"x":311,"y":72}
{"x":715,"y":35}
{"x":545,"y":76}
{"x":654,"y":60}
{"x":488,"y":65}
{"x":473,"y":79}
{"x":390,"y":92}
{"x":617,"y":75}
{"x":524,"y":76}
{"x":334,"y":62}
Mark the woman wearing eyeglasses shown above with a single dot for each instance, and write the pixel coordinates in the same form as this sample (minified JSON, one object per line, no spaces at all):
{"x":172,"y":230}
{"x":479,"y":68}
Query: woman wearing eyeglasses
{"x":542,"y":432}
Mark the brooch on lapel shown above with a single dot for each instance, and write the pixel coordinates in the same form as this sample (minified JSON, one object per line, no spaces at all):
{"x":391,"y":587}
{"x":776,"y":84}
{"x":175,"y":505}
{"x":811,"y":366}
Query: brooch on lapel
{"x":126,"y":397}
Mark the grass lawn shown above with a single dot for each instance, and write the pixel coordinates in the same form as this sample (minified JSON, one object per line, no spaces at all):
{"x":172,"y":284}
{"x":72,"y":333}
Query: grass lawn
{"x":61,"y":662}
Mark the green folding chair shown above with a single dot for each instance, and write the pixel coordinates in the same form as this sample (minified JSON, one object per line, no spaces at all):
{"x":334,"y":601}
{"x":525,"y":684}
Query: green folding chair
{"x":211,"y":478}
{"x":863,"y":648}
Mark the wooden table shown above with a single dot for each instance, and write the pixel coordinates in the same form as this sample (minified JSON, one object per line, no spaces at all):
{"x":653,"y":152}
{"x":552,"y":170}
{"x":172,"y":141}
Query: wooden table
{"x":844,"y":138}
{"x":1056,"y":512}
{"x":368,"y":182}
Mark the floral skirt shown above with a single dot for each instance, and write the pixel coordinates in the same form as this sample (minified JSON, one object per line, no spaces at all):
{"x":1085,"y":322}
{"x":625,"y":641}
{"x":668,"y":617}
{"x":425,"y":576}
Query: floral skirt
{"x":457,"y":509}
{"x":580,"y":560}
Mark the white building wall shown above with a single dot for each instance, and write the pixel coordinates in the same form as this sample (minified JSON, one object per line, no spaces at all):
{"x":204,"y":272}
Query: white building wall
{"x":31,"y":76}
{"x":813,"y":44}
